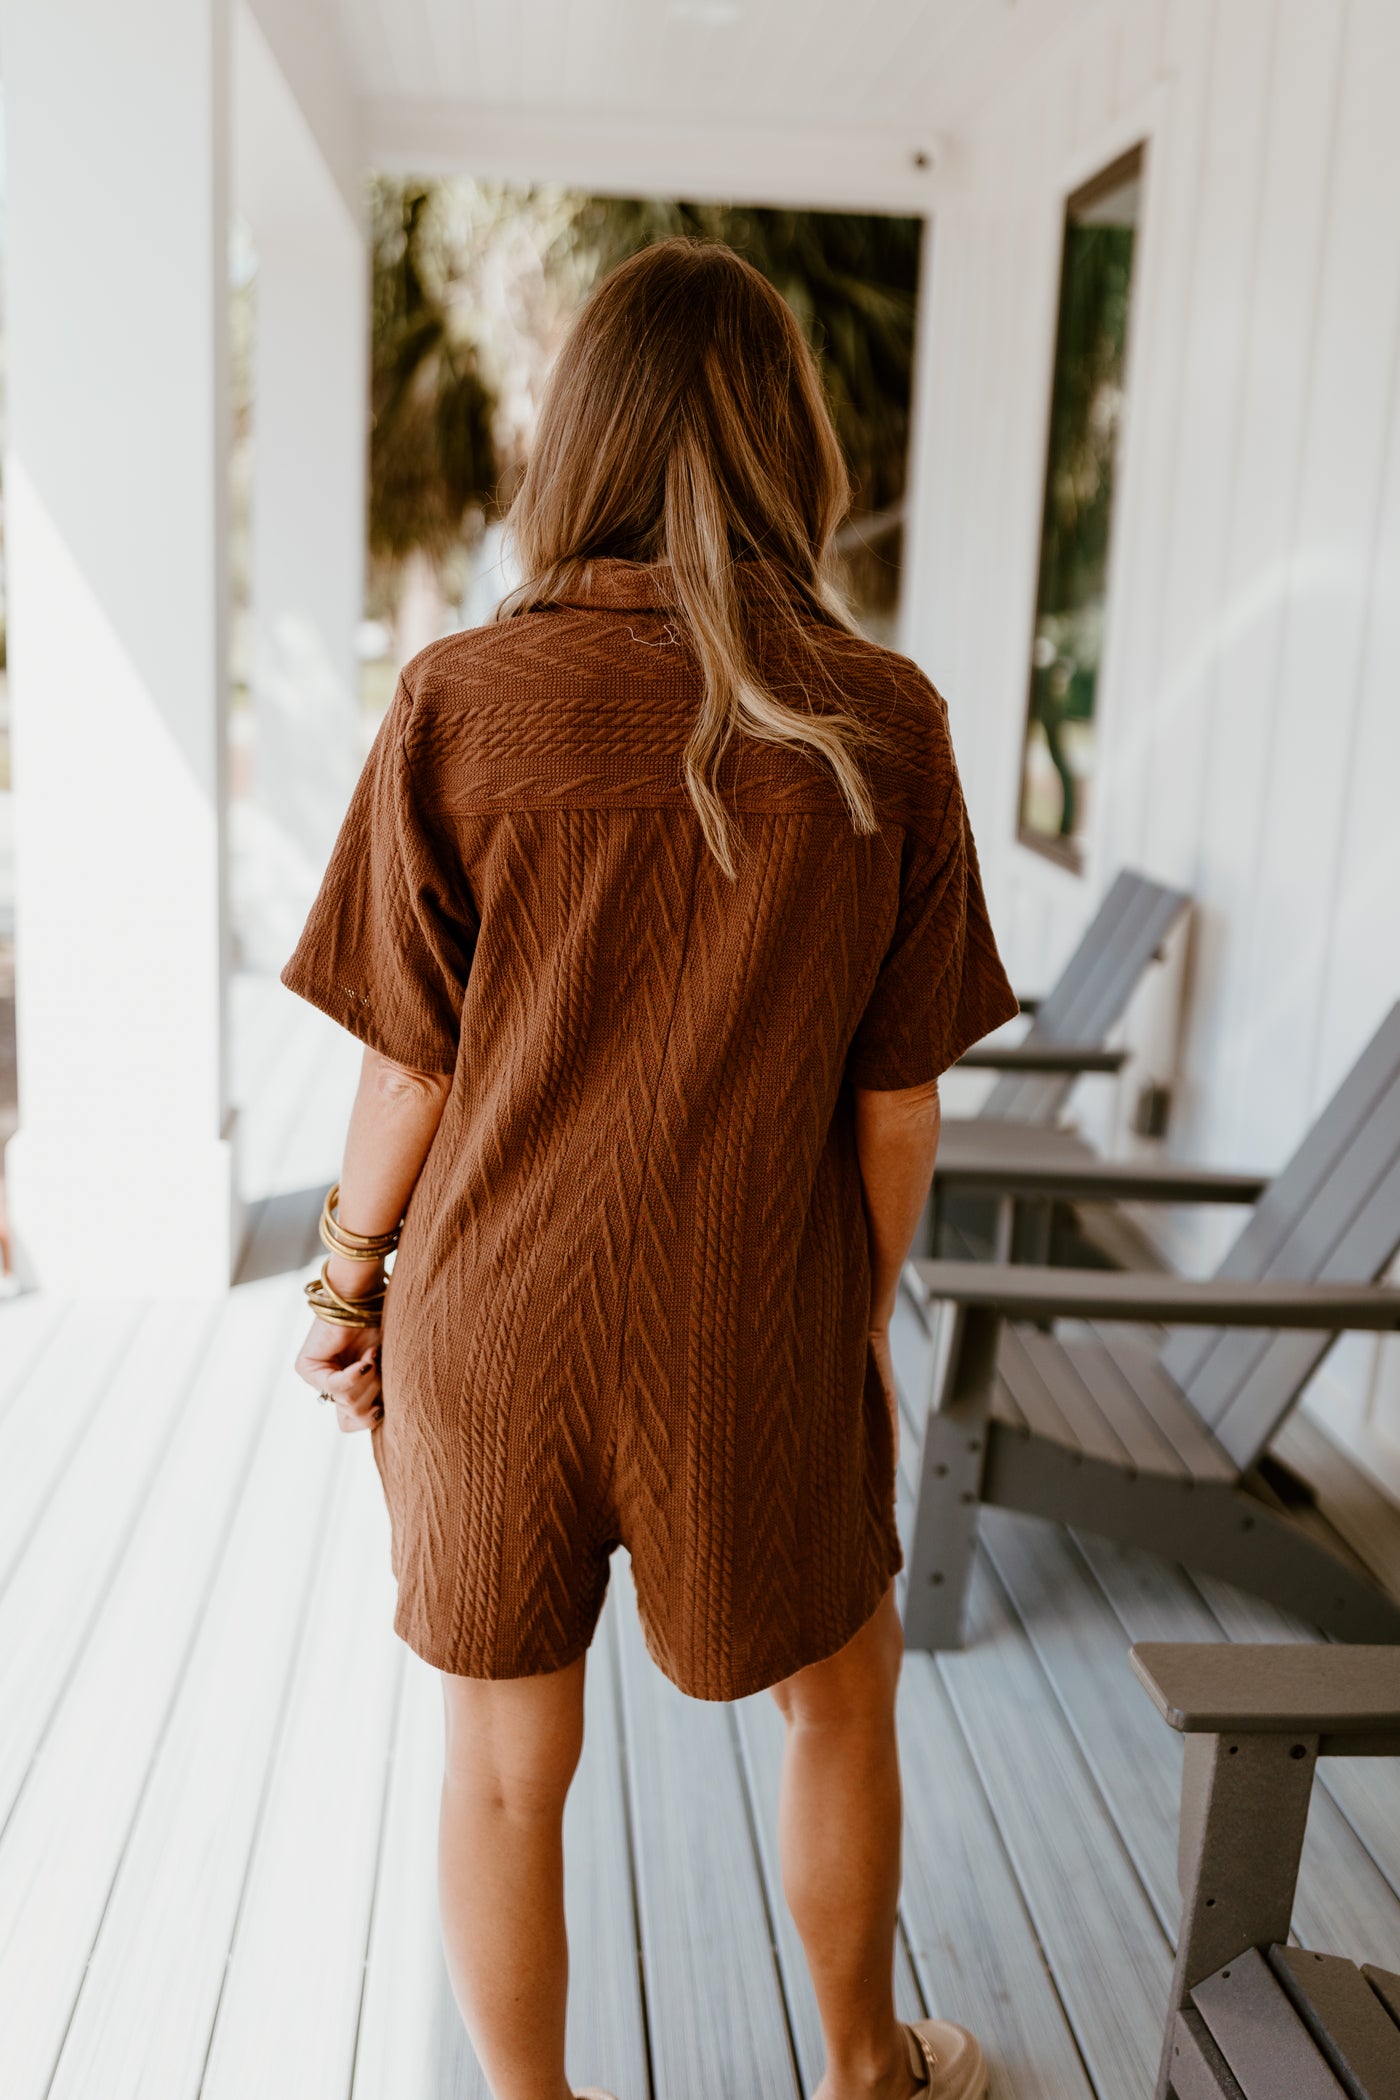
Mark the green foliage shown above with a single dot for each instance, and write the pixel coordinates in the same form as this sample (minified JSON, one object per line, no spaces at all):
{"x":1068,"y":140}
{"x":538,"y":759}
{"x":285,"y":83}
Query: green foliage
{"x":446,"y":349}
{"x":1089,"y":353}
{"x":1086,"y":404}
{"x":851,"y":278}
{"x":431,"y":451}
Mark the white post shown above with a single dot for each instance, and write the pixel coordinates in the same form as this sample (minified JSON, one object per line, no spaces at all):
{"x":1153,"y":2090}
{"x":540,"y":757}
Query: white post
{"x":311,"y":353}
{"x":116,"y":201}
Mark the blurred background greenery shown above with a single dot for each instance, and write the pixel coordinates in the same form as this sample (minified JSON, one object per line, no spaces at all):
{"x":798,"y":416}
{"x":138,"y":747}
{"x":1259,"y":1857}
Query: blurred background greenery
{"x":474,"y":287}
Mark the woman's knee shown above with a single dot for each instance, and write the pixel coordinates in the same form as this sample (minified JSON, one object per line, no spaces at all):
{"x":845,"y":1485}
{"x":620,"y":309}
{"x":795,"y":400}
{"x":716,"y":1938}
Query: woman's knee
{"x":515,"y":1739}
{"x":857,"y":1684}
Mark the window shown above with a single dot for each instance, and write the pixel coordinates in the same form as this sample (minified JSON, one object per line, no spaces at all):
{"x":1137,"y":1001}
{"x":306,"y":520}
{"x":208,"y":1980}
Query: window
{"x":1086,"y":406}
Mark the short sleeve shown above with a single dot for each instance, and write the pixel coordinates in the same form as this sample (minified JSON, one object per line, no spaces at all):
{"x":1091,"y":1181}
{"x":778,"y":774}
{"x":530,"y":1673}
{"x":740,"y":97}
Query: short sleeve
{"x":941,"y":986}
{"x":388,"y":944}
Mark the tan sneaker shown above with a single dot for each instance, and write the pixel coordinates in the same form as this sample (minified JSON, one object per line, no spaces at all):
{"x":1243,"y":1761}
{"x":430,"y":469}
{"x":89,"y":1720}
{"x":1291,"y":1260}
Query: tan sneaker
{"x":947,"y":2061}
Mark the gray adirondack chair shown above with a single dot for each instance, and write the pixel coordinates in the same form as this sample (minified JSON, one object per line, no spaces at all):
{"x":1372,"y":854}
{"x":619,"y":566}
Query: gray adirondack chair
{"x":1161,"y":1446}
{"x":1067,"y":1038}
{"x":1070,"y":1024}
{"x":1248,"y":2014}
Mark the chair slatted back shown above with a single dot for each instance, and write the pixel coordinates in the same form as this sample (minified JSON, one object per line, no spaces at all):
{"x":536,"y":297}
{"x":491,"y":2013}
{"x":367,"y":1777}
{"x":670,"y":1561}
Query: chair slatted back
{"x":1091,"y":991}
{"x":1332,"y":1215}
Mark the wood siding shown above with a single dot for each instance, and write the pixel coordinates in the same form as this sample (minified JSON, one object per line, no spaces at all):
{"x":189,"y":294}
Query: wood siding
{"x":1249,"y":700}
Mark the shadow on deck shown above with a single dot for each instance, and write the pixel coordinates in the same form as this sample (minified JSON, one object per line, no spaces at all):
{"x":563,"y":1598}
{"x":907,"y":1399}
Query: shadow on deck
{"x":218,"y":1769}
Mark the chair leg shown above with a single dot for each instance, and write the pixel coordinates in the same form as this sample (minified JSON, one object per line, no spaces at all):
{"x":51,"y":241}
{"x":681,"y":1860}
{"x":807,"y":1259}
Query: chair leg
{"x":1244,"y":1809}
{"x":950,"y":1483}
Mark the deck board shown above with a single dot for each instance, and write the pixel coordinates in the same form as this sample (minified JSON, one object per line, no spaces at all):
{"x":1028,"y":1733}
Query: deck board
{"x":407,"y":1999}
{"x":1107,"y":1952}
{"x":29,"y":1325}
{"x":69,"y":1825}
{"x":1082,"y":1648}
{"x":146,"y":2011}
{"x":63,"y":1576}
{"x":606,"y":2041}
{"x":290,"y":2009}
{"x":60,"y":1401}
{"x":203,"y":1897}
{"x":700,"y":1893}
{"x":973,"y":1943}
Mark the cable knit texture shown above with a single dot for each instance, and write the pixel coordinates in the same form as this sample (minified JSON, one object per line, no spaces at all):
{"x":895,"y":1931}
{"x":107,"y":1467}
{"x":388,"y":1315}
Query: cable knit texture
{"x":631,"y":1300}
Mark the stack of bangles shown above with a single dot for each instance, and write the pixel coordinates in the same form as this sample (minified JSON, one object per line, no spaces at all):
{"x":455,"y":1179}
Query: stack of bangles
{"x":323,"y":1297}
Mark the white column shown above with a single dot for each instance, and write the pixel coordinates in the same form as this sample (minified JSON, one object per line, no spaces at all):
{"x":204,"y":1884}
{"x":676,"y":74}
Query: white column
{"x":116,"y":204}
{"x":311,"y":352}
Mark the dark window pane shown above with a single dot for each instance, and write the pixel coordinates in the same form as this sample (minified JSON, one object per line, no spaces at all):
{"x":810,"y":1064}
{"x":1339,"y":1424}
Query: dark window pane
{"x":1085,"y":411}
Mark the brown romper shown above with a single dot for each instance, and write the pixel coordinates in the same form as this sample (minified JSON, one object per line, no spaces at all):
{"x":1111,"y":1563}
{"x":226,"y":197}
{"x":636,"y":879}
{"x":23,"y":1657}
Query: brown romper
{"x":630,"y":1302}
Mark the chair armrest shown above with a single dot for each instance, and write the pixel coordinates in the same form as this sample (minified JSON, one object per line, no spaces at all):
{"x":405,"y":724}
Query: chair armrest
{"x":1026,"y":1292}
{"x":1041,"y":1057}
{"x":1100,"y":1180}
{"x":1347,"y":1695}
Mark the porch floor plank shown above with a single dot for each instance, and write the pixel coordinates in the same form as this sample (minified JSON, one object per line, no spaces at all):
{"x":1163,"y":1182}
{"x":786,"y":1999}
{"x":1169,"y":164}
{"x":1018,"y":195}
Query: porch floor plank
{"x":973,"y":1943}
{"x":146,"y":2009}
{"x":721,"y":2028}
{"x":407,"y":2000}
{"x":290,"y":2009}
{"x":69,"y":1826}
{"x":607,"y":2042}
{"x":29,"y":1325}
{"x":1135,"y":1762}
{"x":60,"y":1400}
{"x":61,"y":1579}
{"x":1107,"y":1952}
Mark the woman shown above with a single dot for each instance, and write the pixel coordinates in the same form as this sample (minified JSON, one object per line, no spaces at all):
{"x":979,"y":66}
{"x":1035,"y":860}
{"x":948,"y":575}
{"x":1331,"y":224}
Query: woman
{"x":658,"y":914}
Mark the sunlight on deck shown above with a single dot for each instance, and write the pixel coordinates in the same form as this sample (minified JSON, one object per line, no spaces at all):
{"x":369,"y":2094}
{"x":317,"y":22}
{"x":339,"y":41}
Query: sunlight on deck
{"x":218,"y":1768}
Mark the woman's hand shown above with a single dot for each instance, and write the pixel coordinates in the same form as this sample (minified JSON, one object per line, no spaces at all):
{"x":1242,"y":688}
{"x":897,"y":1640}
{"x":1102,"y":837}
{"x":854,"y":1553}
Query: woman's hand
{"x":344,"y":1362}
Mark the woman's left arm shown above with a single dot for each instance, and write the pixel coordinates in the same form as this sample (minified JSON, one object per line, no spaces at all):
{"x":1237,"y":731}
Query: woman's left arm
{"x":392,"y":1126}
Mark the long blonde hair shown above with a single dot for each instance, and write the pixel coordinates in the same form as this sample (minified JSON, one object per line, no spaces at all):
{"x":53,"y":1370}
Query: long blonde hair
{"x":685,"y":422}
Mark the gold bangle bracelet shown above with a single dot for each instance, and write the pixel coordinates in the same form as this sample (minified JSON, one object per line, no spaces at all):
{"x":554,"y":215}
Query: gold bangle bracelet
{"x":338,"y":1298}
{"x":353,"y":1246}
{"x":330,"y":1318}
{"x":328,"y":1304}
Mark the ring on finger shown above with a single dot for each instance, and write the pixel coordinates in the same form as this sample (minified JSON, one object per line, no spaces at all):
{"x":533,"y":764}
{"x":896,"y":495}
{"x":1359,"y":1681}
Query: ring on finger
{"x":325,"y":1396}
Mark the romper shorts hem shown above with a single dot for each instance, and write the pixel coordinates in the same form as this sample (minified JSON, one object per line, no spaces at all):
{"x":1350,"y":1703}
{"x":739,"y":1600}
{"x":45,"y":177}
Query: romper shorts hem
{"x":727,"y":1687}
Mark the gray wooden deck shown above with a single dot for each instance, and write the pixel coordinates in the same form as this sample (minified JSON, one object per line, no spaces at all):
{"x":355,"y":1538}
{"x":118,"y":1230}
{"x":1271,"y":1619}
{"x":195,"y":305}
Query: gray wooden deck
{"x":218,"y":1769}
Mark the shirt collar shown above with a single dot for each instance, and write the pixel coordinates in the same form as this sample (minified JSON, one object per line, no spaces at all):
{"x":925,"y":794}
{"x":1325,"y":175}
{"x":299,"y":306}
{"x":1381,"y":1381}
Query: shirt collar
{"x":621,"y":586}
{"x":649,"y":586}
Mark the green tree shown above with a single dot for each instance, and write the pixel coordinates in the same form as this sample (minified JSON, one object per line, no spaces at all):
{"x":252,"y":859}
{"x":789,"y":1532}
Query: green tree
{"x":447,"y":339}
{"x":431,"y":457}
{"x":852,"y":279}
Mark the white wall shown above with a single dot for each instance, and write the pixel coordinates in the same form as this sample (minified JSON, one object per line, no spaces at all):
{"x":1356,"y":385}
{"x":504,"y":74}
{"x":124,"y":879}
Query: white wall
{"x":1249,"y":703}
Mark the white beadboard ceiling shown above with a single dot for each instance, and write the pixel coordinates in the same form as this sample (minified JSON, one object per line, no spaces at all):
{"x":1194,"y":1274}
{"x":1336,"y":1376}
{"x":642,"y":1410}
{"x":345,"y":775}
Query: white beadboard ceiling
{"x":817,"y":100}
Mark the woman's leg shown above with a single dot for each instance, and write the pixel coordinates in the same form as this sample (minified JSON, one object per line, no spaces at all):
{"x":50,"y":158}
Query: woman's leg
{"x":512,"y":1747}
{"x":839,"y":1836}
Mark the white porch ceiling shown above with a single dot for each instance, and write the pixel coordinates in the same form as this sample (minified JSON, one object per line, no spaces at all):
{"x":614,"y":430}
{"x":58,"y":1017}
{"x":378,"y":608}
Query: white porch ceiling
{"x":818,"y":100}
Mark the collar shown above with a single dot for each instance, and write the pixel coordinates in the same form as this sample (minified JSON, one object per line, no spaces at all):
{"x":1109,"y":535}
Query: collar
{"x":605,"y":583}
{"x":621,"y":586}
